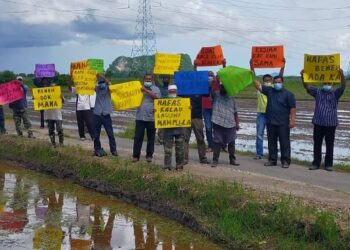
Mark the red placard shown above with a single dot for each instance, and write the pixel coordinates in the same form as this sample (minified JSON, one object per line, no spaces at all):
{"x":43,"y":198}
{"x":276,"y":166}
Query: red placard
{"x":268,"y":56}
{"x":210,"y":56}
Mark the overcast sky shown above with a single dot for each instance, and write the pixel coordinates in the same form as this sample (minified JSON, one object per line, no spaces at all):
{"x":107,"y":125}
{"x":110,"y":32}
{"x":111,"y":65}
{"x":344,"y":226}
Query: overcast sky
{"x":61,"y":31}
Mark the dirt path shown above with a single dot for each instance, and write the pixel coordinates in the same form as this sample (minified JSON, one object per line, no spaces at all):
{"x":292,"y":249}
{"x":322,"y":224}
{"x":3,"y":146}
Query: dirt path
{"x":326,"y":190}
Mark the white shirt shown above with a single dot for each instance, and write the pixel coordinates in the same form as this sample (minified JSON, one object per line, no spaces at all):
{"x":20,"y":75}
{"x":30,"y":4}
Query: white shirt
{"x":85,"y":102}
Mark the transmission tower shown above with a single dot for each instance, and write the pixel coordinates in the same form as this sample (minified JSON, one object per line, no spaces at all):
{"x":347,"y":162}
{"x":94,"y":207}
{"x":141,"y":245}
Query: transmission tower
{"x":145,"y":42}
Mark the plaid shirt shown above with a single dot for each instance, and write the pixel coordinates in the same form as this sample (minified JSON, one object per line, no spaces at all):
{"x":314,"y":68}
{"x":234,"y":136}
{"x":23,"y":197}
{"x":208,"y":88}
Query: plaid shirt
{"x":224,"y":108}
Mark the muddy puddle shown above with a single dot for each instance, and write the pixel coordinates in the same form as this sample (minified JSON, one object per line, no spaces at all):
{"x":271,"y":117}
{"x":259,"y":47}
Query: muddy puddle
{"x":40,"y":212}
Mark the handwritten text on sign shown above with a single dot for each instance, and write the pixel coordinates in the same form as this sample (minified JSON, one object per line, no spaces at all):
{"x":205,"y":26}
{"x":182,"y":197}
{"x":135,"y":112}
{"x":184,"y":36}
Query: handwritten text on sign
{"x":47,"y":98}
{"x":268,"y":56}
{"x":84,"y":81}
{"x":166,"y":64}
{"x":10,"y":92}
{"x":192,"y":82}
{"x":321,"y":68}
{"x":126,"y":95}
{"x":172,"y":113}
{"x":78,"y":65}
{"x":210,"y":56}
{"x":45,"y":70}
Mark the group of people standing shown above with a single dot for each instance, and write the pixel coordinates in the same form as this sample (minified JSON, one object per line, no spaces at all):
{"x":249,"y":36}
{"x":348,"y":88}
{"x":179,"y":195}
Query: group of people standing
{"x":276,"y":110}
{"x":217,"y":112}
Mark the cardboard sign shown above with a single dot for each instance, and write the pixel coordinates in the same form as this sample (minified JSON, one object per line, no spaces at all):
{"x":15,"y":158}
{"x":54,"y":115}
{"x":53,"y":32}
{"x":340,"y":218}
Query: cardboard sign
{"x":192,"y":82}
{"x":49,"y":237}
{"x":10,"y":92}
{"x":84,"y":81}
{"x":235,"y":79}
{"x":322,"y":68}
{"x":166,"y":64}
{"x":268,"y":56}
{"x":78,"y":65}
{"x":45,"y":70}
{"x":47,"y":98}
{"x":172,"y":113}
{"x":210,"y":56}
{"x":96,"y":65}
{"x":126,"y":95}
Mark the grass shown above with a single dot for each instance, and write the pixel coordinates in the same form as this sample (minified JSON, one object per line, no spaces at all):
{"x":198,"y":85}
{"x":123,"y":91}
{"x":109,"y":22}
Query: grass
{"x":227,"y":212}
{"x":294,"y":85}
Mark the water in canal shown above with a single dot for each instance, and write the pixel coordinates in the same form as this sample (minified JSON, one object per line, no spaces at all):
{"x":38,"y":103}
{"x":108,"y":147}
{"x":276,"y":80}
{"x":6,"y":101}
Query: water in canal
{"x":40,"y":212}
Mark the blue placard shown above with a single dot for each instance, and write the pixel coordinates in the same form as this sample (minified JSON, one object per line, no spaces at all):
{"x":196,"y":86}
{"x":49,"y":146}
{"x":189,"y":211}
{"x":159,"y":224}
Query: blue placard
{"x":192,"y":82}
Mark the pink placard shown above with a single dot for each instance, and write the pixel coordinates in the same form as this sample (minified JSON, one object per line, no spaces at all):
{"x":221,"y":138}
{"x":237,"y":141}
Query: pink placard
{"x":10,"y":92}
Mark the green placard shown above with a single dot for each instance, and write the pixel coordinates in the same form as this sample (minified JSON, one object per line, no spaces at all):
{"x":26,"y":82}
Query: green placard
{"x":96,"y":65}
{"x":235,"y":79}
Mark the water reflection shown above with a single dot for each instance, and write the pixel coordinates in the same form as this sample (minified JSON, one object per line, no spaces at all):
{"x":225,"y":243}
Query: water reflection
{"x":39,"y":212}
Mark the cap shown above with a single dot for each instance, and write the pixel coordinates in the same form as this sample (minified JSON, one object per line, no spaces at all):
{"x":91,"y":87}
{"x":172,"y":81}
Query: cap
{"x":19,"y":78}
{"x":172,"y":87}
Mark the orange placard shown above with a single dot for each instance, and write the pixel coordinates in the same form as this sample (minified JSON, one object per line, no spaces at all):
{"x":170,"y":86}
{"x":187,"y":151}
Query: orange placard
{"x":210,"y":56}
{"x":268,"y":56}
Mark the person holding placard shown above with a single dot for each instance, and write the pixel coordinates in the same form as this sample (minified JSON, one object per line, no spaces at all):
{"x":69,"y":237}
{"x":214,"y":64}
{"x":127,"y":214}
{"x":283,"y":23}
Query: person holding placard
{"x":20,"y":113}
{"x":280,"y":118}
{"x":163,"y":94}
{"x":54,"y":119}
{"x":261,"y":112}
{"x":102,"y":116}
{"x":325,"y":119}
{"x":2,"y":121}
{"x":171,"y":134}
{"x":225,"y":124}
{"x":145,"y":119}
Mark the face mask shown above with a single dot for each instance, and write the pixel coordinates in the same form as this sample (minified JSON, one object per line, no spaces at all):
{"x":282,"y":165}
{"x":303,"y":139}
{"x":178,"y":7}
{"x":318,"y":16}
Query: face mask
{"x":102,"y":86}
{"x":278,"y":85}
{"x":327,"y":87}
{"x":172,"y":95}
{"x":148,"y":84}
{"x":267,"y":84}
{"x":211,"y":78}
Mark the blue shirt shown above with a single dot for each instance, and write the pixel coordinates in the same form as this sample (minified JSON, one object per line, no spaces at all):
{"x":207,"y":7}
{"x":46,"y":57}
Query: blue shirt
{"x":279,"y":104}
{"x":326,"y":106}
{"x":103,"y":104}
{"x":21,"y":103}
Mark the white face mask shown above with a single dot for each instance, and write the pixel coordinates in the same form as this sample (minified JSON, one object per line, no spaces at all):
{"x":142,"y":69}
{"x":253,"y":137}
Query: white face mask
{"x":147,"y":84}
{"x":172,"y":95}
{"x":327,"y":87}
{"x":267,"y":83}
{"x":211,"y":78}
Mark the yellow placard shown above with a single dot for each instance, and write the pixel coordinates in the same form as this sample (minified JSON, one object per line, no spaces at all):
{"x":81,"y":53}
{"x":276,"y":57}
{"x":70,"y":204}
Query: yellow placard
{"x":166,"y":64}
{"x":47,"y":98}
{"x":49,"y":237}
{"x":172,"y":113}
{"x":322,"y":68}
{"x":84,"y":81}
{"x":80,"y":65}
{"x":126,"y":95}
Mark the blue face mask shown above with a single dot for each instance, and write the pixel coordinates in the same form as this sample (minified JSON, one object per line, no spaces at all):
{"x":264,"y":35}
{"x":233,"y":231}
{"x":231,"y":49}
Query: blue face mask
{"x":327,"y":87}
{"x":102,"y":86}
{"x":278,"y":85}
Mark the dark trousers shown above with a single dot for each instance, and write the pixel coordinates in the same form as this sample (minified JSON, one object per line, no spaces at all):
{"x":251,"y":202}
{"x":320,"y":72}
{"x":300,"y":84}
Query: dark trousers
{"x":328,"y":133}
{"x":197,"y":127}
{"x":84,"y":117}
{"x":2,"y":121}
{"x":42,"y":119}
{"x":106,"y":121}
{"x":51,"y":125}
{"x":140,"y":128}
{"x":279,"y":133}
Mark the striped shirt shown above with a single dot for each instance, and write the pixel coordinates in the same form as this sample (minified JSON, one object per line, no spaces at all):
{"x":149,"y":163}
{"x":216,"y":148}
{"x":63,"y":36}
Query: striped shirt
{"x":224,"y":109}
{"x":326,"y":106}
